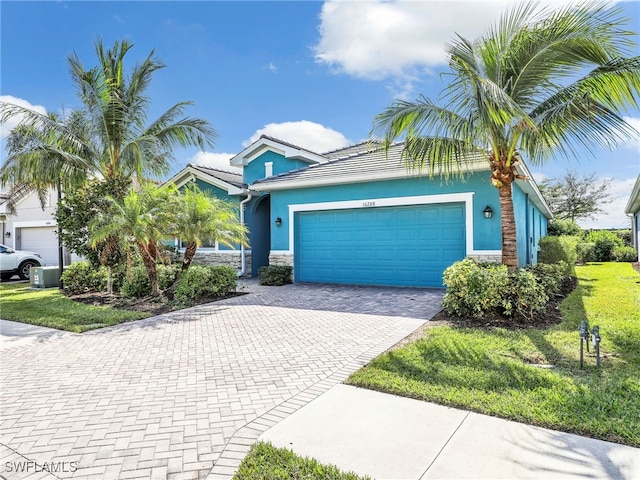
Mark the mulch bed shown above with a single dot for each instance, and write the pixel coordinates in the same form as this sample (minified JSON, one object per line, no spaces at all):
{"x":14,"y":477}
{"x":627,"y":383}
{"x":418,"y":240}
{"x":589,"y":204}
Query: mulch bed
{"x":151,"y":305}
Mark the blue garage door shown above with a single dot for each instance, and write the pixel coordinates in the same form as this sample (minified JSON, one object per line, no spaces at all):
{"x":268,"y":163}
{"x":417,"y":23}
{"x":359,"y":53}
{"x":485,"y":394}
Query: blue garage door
{"x":403,"y":246}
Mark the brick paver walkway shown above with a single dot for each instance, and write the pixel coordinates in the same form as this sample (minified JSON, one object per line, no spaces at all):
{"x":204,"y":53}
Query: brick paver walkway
{"x":184,"y":395}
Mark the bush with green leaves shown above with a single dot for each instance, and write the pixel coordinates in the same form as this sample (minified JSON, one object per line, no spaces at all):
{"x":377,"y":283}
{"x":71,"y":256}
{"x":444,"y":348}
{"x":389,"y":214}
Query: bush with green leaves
{"x":605,"y":242}
{"x":585,"y":252}
{"x":563,"y":227}
{"x":559,"y":249}
{"x":474,"y":288}
{"x":625,"y":254}
{"x":136,"y":284}
{"x":82,"y":277}
{"x":275,"y":275}
{"x":526,"y":295}
{"x":206,"y":281}
{"x":477,"y":288}
{"x":549,"y":275}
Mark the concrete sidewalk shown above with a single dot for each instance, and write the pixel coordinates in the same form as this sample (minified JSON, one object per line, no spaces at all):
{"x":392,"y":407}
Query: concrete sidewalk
{"x":15,"y":334}
{"x":390,"y":437}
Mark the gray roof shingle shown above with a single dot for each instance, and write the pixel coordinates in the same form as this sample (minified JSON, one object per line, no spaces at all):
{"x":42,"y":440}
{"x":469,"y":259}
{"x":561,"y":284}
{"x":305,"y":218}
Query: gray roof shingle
{"x":226,"y":176}
{"x":348,"y":165}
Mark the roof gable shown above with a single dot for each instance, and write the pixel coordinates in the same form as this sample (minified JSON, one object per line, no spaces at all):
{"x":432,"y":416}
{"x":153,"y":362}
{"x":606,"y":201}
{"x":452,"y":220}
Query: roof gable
{"x":226,"y":180}
{"x":287,"y":150}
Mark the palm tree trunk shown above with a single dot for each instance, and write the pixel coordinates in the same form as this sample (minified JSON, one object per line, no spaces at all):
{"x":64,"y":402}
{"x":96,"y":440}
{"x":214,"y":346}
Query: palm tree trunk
{"x":150,"y":266}
{"x":508,"y":219}
{"x":189,"y":253}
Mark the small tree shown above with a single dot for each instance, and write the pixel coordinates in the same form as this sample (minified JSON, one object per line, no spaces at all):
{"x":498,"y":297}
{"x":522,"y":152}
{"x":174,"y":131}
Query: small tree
{"x":79,"y":208}
{"x":140,"y":220}
{"x":574,"y":196}
{"x":199,"y":217}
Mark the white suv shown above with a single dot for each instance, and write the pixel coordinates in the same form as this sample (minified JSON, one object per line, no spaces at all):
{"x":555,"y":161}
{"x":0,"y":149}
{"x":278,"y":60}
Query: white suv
{"x":18,"y":262}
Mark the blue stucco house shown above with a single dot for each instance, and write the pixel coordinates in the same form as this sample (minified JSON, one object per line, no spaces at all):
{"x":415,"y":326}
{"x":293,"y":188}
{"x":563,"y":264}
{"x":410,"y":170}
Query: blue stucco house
{"x":358,"y":216}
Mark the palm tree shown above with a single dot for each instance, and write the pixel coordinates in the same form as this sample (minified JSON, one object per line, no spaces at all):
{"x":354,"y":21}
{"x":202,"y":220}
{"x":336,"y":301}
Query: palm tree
{"x":536,"y":84}
{"x":116,"y":140}
{"x":200,"y":217}
{"x":43,"y":158}
{"x":141,"y":219}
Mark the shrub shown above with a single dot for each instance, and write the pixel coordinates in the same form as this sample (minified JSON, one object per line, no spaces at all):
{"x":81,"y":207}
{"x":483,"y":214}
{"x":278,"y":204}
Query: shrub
{"x":137,"y":285}
{"x":275,"y":275}
{"x":559,"y":249}
{"x":558,"y":227}
{"x":605,"y":242}
{"x":525,"y":295}
{"x":81,"y":277}
{"x":474,"y":288}
{"x":585,"y":252}
{"x":625,"y":254}
{"x":205,"y":281}
{"x":549,"y":275}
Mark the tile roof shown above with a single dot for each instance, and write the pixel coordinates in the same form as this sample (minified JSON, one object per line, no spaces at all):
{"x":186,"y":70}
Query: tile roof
{"x":358,"y":148}
{"x":227,"y":176}
{"x":282,"y":142}
{"x":347,"y":165}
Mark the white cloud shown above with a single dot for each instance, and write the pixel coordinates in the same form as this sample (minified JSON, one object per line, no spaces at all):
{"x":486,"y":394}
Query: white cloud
{"x":306,"y":134}
{"x":635,"y":123}
{"x":614,"y":217}
{"x":399,"y":39}
{"x":378,"y":39}
{"x":272,"y":67}
{"x":214,"y":160}
{"x":13,"y":122}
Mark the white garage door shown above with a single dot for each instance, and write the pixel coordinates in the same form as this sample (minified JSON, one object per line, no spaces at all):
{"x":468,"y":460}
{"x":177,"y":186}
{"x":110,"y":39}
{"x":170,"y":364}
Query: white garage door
{"x":42,"y":240}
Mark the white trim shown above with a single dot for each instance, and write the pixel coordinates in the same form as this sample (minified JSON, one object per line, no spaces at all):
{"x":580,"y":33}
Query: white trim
{"x":268,"y":169}
{"x":466,"y":198}
{"x":35,"y":223}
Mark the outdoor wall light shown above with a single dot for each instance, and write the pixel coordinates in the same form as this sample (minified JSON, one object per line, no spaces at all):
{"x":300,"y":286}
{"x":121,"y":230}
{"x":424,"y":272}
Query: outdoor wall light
{"x":7,"y":234}
{"x":487,"y":212}
{"x":278,"y":222}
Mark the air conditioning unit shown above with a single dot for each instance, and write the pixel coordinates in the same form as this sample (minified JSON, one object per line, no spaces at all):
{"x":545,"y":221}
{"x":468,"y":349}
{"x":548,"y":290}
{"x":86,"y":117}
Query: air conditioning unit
{"x":43,"y":277}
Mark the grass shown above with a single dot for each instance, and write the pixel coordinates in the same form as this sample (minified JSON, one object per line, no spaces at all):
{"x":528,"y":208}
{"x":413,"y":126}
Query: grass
{"x":498,"y":372}
{"x":264,"y":461}
{"x":49,"y":308}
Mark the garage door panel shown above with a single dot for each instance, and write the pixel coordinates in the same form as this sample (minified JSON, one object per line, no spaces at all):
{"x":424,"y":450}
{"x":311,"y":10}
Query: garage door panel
{"x":42,"y":240}
{"x":409,"y":245}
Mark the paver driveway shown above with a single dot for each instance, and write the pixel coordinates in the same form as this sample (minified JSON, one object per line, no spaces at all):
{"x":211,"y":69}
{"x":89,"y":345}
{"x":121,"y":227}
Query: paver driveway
{"x":184,"y":395}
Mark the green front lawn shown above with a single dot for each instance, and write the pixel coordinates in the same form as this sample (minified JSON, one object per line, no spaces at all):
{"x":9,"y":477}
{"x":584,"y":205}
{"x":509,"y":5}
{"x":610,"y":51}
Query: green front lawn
{"x":49,"y":308}
{"x":264,"y":461}
{"x":531,"y":375}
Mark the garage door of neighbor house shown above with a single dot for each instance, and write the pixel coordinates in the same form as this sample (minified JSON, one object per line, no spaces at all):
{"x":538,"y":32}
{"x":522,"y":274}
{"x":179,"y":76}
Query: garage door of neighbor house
{"x":401,"y":246}
{"x":42,"y":240}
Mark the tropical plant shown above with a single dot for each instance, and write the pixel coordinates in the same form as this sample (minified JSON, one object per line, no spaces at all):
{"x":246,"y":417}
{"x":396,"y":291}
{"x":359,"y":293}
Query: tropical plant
{"x":200,"y":217}
{"x":109,"y":136}
{"x":537,"y":83}
{"x":141,"y":219}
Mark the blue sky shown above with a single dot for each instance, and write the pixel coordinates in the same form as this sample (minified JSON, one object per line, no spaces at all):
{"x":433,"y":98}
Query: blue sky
{"x":312,"y":73}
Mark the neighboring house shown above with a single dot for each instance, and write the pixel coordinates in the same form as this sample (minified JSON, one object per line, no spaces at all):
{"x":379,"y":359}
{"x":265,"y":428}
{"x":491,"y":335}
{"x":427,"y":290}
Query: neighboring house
{"x":633,"y":210}
{"x":30,"y":227}
{"x":359,"y":216}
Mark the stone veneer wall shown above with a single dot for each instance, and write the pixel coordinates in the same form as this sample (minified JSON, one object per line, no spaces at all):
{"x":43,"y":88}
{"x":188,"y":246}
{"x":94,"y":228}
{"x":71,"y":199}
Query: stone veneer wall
{"x":487,"y":258}
{"x":232,"y":259}
{"x":285,"y":259}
